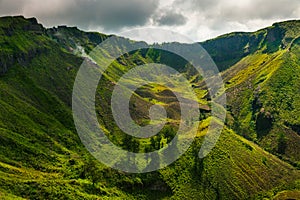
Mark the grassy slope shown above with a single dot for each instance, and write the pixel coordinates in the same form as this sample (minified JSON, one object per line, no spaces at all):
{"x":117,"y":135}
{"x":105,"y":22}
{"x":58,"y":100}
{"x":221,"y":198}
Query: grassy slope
{"x":263,"y":91}
{"x":41,"y":155}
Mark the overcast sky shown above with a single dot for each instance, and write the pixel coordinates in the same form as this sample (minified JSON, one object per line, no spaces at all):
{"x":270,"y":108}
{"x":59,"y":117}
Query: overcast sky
{"x":197,"y":19}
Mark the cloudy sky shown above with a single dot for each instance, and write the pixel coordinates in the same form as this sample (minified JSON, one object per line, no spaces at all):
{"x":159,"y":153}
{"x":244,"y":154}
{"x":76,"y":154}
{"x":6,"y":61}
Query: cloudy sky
{"x":197,"y":19}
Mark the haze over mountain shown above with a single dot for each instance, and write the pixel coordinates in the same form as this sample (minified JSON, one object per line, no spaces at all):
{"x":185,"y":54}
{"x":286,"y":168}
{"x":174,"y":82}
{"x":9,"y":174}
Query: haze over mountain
{"x":42,"y":157}
{"x":199,"y":20}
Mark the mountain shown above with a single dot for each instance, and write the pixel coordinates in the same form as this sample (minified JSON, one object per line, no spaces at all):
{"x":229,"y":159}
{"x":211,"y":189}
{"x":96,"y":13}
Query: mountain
{"x":263,"y":92}
{"x":41,"y":154}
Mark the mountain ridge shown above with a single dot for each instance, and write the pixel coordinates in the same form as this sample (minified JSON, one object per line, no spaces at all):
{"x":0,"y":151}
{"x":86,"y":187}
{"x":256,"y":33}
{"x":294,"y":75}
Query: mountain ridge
{"x":42,"y":157}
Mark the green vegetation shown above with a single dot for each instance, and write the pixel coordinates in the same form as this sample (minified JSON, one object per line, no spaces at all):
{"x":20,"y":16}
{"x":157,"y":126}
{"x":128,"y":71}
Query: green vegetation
{"x":267,"y":108}
{"x":41,"y":155}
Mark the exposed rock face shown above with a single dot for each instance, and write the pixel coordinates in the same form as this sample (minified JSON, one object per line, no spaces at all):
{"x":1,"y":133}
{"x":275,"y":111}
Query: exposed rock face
{"x":34,"y":26}
{"x":264,"y":120}
{"x":274,"y":39}
{"x":30,"y":24}
{"x":229,"y":49}
{"x":21,"y":58}
{"x":17,"y":54}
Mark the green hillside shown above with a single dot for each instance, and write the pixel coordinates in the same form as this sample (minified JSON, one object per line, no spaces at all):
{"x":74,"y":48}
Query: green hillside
{"x":42,"y":157}
{"x":266,"y":84}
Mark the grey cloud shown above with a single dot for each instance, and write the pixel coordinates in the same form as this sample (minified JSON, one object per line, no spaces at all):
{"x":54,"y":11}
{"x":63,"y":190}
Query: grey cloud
{"x":114,"y":14}
{"x":217,"y":14}
{"x":235,"y":9}
{"x":109,"y":14}
{"x":254,"y":9}
{"x":261,"y":9}
{"x":212,"y":16}
{"x":171,"y":18}
{"x":196,"y":5}
{"x":11,"y":7}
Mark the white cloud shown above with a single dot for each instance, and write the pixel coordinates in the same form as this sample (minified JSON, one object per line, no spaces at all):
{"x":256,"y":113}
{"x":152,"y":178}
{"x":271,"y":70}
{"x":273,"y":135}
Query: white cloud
{"x":198,"y":19}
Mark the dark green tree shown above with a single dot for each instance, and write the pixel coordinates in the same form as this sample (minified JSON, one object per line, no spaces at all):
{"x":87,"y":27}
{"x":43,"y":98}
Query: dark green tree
{"x":282,"y":143}
{"x":131,"y":144}
{"x":92,"y":172}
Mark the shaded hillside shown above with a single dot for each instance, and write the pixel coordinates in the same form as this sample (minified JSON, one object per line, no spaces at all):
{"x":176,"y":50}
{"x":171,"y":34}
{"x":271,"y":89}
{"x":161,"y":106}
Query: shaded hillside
{"x":42,"y":157}
{"x":227,"y":50}
{"x":264,"y":92}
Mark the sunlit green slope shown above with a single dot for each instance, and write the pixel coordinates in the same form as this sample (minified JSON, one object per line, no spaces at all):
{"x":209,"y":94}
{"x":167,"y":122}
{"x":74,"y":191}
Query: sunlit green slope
{"x":41,"y":155}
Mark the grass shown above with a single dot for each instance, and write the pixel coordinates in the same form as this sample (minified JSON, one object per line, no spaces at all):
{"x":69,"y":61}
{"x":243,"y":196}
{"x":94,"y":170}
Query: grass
{"x":41,"y":156}
{"x":267,"y":81}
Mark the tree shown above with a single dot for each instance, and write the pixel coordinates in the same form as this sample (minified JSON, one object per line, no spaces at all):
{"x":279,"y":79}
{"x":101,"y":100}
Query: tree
{"x":131,"y":144}
{"x":92,"y":171}
{"x":169,"y":133}
{"x":282,"y":143}
{"x":155,"y":142}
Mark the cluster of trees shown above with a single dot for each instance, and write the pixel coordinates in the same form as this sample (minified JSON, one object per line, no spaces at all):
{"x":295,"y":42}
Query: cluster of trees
{"x":157,"y":142}
{"x":92,"y":171}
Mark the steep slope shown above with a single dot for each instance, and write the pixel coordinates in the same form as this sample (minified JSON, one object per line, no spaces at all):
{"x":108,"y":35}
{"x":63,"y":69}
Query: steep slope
{"x":41,"y":156}
{"x":264,"y":92}
{"x":229,"y":49}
